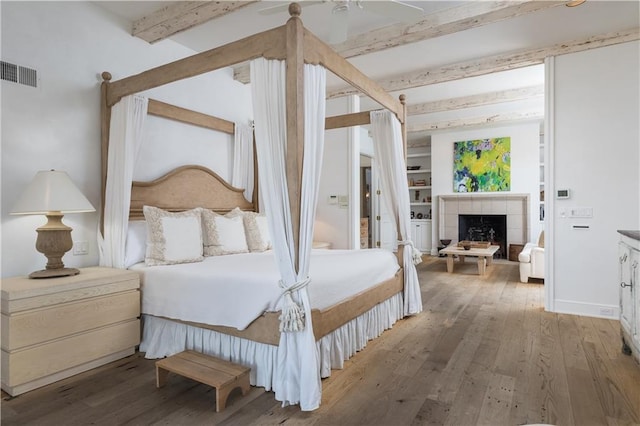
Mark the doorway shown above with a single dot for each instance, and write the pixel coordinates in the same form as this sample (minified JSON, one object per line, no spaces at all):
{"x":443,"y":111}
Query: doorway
{"x":365,"y":203}
{"x":377,"y":229}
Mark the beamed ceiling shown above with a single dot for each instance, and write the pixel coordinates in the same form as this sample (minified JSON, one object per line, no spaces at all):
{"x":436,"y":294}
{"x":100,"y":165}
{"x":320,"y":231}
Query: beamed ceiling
{"x":460,"y":63}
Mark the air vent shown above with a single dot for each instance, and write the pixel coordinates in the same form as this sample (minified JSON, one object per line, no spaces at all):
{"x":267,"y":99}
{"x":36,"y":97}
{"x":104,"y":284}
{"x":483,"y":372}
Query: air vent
{"x":19,"y":74}
{"x":28,"y":76}
{"x":9,"y":71}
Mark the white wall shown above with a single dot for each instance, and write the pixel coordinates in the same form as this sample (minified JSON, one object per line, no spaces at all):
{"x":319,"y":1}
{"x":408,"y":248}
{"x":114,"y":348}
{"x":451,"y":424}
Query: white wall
{"x":596,"y":151}
{"x":333,"y":221}
{"x":525,"y":171}
{"x":57,"y":125}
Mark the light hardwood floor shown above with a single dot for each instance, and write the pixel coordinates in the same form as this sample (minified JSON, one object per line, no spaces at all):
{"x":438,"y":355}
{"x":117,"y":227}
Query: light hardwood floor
{"x":482,"y":352}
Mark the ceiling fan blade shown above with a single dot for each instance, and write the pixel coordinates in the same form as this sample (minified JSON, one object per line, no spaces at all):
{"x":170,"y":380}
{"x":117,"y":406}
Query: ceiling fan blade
{"x":284,"y":6}
{"x":393,"y":9}
{"x":339,"y":25}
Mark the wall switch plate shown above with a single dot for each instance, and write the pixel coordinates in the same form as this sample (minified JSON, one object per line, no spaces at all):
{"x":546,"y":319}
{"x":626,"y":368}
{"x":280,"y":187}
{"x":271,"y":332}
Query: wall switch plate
{"x":80,"y":248}
{"x":582,"y":212}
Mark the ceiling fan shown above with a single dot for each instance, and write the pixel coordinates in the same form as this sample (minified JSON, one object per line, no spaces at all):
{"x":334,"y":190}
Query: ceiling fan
{"x":393,"y":9}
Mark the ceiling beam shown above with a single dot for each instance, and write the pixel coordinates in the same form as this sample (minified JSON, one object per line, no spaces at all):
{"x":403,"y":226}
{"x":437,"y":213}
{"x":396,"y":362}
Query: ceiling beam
{"x":481,"y":99}
{"x":181,"y":16}
{"x":269,"y":44}
{"x":440,"y":23}
{"x":443,"y":22}
{"x":491,"y":64}
{"x":506,"y":117}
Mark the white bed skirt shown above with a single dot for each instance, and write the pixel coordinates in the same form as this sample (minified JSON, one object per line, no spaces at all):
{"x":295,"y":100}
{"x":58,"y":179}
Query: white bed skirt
{"x":162,"y":337}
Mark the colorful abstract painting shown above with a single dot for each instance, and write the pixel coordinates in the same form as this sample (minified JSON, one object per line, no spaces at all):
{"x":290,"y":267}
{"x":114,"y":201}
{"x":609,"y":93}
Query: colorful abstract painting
{"x":482,"y":165}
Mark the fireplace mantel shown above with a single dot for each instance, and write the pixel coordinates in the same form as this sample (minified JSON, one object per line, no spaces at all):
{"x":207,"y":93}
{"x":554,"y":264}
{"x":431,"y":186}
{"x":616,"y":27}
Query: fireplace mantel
{"x":515,"y":206}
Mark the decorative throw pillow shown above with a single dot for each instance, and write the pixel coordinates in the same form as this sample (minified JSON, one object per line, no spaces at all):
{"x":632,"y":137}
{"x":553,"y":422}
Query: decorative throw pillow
{"x":541,"y":239}
{"x":173,"y":237}
{"x":224,"y":234}
{"x":257,"y":231}
{"x":136,"y":245}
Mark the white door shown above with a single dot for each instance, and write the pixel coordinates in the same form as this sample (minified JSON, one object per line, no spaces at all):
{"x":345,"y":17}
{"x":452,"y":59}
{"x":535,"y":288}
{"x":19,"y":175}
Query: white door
{"x":383,"y":228}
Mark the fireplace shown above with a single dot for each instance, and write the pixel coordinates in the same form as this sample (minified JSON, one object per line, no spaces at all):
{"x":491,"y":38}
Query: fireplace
{"x":484,"y":227}
{"x":514,"y":206}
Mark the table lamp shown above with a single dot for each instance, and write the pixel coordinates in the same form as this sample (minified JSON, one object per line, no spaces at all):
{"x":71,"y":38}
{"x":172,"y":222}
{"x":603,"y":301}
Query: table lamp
{"x":52,"y":193}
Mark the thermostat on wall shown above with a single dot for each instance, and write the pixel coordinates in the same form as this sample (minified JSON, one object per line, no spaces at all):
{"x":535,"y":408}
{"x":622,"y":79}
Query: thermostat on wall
{"x":562,"y":193}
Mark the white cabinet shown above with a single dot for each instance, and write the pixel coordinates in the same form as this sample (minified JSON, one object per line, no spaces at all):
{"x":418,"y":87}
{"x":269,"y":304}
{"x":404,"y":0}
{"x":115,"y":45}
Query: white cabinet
{"x":634,"y":280}
{"x":421,"y":235}
{"x":629,"y":282}
{"x":624,"y":279}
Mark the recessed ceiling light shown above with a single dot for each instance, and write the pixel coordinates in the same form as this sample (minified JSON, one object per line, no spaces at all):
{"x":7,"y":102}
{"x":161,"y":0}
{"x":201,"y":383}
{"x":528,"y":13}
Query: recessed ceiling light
{"x":574,"y":3}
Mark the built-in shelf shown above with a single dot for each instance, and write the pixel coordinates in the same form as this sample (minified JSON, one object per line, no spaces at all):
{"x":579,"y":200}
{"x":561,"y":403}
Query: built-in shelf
{"x":419,"y":183}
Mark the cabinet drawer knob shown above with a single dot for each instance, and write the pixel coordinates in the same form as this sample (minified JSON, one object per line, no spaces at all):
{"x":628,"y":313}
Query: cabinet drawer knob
{"x":623,"y":285}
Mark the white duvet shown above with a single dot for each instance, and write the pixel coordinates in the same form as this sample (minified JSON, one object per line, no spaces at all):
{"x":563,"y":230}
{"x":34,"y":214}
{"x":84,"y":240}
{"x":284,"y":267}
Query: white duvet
{"x":234,"y":290}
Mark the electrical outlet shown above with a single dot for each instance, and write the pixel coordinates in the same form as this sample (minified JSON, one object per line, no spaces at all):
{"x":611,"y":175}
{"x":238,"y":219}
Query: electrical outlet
{"x":80,"y":248}
{"x":607,"y":312}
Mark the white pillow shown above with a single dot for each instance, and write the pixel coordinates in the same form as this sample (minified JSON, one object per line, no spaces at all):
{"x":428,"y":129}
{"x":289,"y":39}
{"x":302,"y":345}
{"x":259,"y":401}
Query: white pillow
{"x":257,"y":231}
{"x":173,"y":237}
{"x":136,"y":245}
{"x":224,"y":234}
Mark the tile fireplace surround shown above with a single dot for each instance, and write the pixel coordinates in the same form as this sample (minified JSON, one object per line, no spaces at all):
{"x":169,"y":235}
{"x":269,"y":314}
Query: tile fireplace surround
{"x":515,"y":206}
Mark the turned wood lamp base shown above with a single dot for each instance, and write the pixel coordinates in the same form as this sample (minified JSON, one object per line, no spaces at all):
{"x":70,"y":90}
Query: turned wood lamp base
{"x":54,"y":240}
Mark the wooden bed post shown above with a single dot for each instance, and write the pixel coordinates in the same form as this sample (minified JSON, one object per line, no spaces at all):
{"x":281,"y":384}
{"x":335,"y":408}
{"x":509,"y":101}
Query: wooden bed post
{"x":295,"y":117}
{"x":403,"y":124}
{"x":255,"y":197}
{"x":403,"y":131}
{"x":105,"y":123}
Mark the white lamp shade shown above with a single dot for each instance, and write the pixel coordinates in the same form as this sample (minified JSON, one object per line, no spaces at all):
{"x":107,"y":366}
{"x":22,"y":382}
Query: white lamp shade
{"x":52,"y":191}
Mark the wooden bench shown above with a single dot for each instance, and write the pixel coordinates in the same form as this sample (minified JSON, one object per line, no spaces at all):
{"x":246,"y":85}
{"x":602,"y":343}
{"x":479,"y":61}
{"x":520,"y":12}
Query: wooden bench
{"x":222,"y":375}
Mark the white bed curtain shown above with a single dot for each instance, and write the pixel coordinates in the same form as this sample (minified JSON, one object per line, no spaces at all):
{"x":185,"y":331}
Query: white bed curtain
{"x":297,"y":376}
{"x":242,"y":174}
{"x":125,"y":139}
{"x":389,"y":158}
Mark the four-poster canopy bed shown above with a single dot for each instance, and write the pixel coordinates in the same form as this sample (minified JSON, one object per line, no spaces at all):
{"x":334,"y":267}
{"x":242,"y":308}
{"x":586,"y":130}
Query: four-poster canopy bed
{"x":310,"y":339}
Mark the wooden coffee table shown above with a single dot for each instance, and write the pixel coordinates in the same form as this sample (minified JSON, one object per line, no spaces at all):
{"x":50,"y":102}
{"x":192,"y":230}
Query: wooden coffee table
{"x":484,"y":255}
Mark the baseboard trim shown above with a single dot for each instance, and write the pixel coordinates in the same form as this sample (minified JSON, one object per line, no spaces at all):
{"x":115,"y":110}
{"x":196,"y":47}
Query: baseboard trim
{"x":587,"y":309}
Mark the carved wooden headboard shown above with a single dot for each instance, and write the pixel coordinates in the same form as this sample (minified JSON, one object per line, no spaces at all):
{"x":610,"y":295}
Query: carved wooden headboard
{"x":185,"y":188}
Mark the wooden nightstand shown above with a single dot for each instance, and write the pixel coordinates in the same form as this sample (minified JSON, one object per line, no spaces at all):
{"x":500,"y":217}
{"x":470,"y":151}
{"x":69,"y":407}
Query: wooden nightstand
{"x":57,"y":327}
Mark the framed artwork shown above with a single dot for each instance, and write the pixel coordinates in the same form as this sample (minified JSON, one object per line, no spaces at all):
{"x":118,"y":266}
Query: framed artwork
{"x":482,"y":165}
